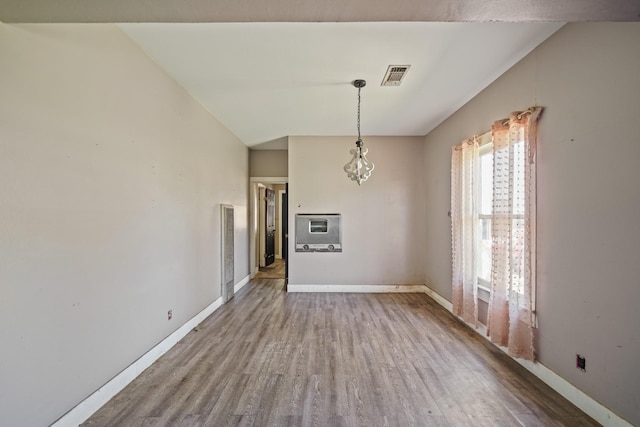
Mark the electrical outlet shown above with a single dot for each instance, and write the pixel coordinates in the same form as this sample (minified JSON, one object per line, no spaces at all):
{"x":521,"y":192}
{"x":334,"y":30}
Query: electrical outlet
{"x":169,"y":314}
{"x":581,"y":363}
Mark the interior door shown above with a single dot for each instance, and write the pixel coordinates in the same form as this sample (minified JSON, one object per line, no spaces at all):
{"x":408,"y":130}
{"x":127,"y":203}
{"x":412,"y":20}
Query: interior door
{"x":270,"y":227}
{"x":285,"y":234}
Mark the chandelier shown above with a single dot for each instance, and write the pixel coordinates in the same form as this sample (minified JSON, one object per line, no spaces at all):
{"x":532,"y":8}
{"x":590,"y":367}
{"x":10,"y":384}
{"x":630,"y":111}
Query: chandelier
{"x":359,"y":168}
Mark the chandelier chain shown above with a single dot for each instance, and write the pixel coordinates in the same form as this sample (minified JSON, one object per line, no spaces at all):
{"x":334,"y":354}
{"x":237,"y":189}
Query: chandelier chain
{"x":359,"y":168}
{"x":358,"y":113}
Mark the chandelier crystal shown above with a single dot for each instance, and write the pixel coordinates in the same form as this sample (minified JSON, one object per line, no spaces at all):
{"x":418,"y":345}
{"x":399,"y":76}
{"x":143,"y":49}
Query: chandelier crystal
{"x":359,"y":168}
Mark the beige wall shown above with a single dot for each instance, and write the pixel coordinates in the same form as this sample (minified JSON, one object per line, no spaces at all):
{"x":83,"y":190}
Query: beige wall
{"x":382,"y":220}
{"x":111,"y":180}
{"x":587,"y":76}
{"x":268,"y":163}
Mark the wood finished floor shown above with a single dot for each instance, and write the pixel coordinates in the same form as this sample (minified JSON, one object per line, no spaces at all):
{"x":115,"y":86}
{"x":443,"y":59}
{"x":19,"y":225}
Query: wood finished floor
{"x":273,"y":271}
{"x":268,"y":358}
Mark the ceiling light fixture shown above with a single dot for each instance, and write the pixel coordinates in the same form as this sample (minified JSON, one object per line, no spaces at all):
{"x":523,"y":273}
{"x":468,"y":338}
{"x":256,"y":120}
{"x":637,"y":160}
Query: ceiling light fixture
{"x":359,"y":168}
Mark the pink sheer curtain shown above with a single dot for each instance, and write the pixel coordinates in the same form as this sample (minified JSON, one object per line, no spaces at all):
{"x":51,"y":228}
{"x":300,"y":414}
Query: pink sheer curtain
{"x":510,"y":317}
{"x":465,"y":164}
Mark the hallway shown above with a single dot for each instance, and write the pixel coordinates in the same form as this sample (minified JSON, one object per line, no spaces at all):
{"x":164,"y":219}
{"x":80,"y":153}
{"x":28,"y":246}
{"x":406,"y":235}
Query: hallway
{"x":273,"y":271}
{"x":268,"y":358}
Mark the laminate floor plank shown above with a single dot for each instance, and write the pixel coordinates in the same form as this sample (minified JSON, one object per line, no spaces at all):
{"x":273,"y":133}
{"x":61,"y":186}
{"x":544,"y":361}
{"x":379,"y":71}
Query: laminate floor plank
{"x":273,"y":271}
{"x":268,"y":358}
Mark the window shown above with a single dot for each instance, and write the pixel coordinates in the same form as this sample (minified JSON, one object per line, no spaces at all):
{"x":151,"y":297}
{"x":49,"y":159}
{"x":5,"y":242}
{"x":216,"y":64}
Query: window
{"x":493,"y":230}
{"x":318,"y":225}
{"x":485,"y":217}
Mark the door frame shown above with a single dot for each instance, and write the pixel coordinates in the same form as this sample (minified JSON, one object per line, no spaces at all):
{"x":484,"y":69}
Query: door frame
{"x":254,"y":194}
{"x":279,"y":252}
{"x":227,"y":291}
{"x":262,"y":221}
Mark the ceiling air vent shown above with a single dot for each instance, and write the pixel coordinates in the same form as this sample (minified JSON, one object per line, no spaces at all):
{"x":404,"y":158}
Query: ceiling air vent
{"x":395,"y":74}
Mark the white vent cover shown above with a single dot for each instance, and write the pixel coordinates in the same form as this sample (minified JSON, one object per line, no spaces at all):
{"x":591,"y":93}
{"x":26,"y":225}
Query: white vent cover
{"x":395,"y":74}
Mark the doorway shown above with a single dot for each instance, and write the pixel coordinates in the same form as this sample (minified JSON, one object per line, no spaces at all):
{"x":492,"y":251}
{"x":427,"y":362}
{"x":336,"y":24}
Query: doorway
{"x":264,"y":193}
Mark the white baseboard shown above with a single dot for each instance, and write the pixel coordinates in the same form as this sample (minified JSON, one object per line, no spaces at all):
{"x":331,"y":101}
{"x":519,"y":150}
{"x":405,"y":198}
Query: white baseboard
{"x":83,"y":410}
{"x":241,"y":284}
{"x":439,"y":299}
{"x":573,"y":394}
{"x":570,"y":392}
{"x":357,"y":288}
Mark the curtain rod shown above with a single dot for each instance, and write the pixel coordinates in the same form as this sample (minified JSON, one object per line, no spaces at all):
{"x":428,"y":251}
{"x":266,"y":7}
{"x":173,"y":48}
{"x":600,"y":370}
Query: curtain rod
{"x":518,"y":114}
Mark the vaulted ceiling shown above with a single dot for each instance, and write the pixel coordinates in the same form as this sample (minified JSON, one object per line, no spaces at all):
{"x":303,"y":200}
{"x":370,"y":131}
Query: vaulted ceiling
{"x":268,"y":69}
{"x":265,"y":81}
